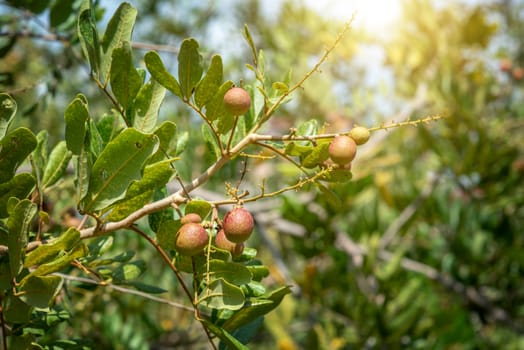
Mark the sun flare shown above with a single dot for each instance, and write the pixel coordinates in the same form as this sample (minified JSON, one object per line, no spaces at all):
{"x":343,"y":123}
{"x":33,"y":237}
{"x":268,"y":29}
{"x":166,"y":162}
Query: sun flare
{"x":373,"y":15}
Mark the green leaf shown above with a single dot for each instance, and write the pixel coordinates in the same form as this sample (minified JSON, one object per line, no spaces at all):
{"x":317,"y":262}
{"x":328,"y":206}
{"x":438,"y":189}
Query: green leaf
{"x":254,"y":289}
{"x":146,"y":288}
{"x":39,"y":291}
{"x":167,"y":137}
{"x":125,"y":79}
{"x":257,"y":106}
{"x":117,"y":166}
{"x":5,"y":276}
{"x":108,"y":127}
{"x":295,"y":149}
{"x":181,"y":142}
{"x":256,"y":308}
{"x":248,"y":254}
{"x":100,"y":246}
{"x":60,"y":12}
{"x":8,"y":44}
{"x":211,"y":141}
{"x":15,"y":310}
{"x":118,"y":31}
{"x":308,"y":128}
{"x":159,"y":73}
{"x":14,"y":149}
{"x":76,"y":116}
{"x":83,"y":167}
{"x":317,"y":156}
{"x":231,"y":272}
{"x":35,"y":7}
{"x":166,"y":232}
{"x":156,"y":218}
{"x":59,"y":263}
{"x":7,"y":112}
{"x":18,"y":224}
{"x":209,"y":85}
{"x":330,"y":196}
{"x":258,"y":271}
{"x":140,"y":192}
{"x":22,"y":342}
{"x":228,"y":339}
{"x":189,"y":67}
{"x":19,"y":187}
{"x":198,"y":206}
{"x":129,"y":271}
{"x":221,"y":294}
{"x":245,"y":333}
{"x":337,"y":175}
{"x":46,"y":252}
{"x":147,"y":105}
{"x":280,"y":87}
{"x":215,"y":107}
{"x":95,"y":142}
{"x":39,"y":155}
{"x":88,"y":36}
{"x":57,"y":164}
{"x":387,"y":269}
{"x":251,"y":43}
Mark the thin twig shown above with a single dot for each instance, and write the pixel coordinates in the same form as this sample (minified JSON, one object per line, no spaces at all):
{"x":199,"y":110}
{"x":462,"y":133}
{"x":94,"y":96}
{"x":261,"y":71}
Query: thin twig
{"x":166,"y":258}
{"x":408,"y":211}
{"x":321,"y":61}
{"x":125,"y":290}
{"x":2,"y":325}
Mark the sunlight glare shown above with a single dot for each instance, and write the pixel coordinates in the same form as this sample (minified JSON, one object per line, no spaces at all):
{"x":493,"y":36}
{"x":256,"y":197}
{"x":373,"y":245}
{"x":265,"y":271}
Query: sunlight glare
{"x":373,"y":15}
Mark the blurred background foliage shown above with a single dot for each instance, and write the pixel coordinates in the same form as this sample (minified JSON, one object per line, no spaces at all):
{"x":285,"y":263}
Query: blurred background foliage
{"x":423,"y":248}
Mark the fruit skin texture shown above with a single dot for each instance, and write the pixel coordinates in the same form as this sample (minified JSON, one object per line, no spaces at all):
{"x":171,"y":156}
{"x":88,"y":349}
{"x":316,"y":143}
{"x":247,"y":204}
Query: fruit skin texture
{"x":342,"y":149}
{"x":237,"y":101}
{"x":238,"y":225}
{"x":360,"y":135}
{"x":191,"y":217}
{"x":222,"y":242}
{"x":191,"y":239}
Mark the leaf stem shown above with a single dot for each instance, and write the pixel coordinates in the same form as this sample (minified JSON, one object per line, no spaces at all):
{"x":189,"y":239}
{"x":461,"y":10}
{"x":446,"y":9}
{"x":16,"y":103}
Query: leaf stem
{"x":103,"y":87}
{"x":208,"y":122}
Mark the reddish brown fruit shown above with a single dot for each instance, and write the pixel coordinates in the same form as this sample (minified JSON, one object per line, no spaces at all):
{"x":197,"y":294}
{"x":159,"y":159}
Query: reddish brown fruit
{"x":191,"y":217}
{"x":237,"y":101}
{"x":222,"y":242}
{"x":191,"y":239}
{"x":518,"y":73}
{"x":505,"y":65}
{"x":342,"y":149}
{"x":238,"y":225}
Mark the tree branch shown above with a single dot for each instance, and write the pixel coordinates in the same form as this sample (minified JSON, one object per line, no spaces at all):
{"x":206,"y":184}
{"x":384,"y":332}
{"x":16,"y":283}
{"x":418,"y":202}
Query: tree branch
{"x":409,"y":211}
{"x":124,"y":290}
{"x":470,"y":294}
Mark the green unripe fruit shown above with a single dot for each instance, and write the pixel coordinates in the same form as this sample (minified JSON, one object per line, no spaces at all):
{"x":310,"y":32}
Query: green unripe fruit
{"x":237,"y":101}
{"x":222,"y":242}
{"x":191,"y":239}
{"x":342,"y":149}
{"x":191,"y":217}
{"x":238,"y":225}
{"x":360,"y":135}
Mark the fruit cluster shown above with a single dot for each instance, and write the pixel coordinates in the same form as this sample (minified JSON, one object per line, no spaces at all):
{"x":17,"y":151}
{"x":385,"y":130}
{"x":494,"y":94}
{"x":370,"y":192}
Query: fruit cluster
{"x":507,"y":66}
{"x":343,"y":149}
{"x":192,"y":238}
